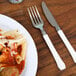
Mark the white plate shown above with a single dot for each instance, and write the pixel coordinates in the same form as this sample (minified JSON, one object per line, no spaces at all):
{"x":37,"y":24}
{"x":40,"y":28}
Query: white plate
{"x":7,"y":23}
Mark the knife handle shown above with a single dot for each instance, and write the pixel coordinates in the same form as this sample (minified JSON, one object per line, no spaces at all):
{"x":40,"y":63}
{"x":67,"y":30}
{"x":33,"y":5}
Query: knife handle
{"x":67,"y":44}
{"x":59,"y":61}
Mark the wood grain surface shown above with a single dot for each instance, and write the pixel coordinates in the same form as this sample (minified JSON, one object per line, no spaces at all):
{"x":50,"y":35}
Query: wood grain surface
{"x":65,"y":13}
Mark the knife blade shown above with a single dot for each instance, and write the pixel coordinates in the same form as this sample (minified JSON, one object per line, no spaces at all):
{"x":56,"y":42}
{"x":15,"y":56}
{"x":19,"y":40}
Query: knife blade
{"x":49,"y":16}
{"x":53,"y":22}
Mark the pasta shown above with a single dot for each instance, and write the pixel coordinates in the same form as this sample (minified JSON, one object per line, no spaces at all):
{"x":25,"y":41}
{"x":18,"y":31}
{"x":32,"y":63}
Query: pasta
{"x":12,"y":48}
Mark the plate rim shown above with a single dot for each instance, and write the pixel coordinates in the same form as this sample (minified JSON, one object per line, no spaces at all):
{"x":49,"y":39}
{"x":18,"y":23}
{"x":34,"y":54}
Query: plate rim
{"x":30,"y":37}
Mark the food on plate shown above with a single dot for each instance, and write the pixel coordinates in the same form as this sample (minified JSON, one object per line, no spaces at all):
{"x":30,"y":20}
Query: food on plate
{"x":9,"y":71}
{"x":12,"y":52}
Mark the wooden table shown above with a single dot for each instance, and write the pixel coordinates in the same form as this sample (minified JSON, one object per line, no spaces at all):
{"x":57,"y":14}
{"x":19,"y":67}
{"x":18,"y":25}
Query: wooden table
{"x":65,"y":14}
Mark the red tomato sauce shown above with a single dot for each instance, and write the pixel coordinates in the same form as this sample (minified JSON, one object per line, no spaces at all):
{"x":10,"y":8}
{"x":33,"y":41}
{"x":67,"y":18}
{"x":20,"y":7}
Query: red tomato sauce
{"x":13,"y":74}
{"x":0,"y":34}
{"x":21,"y":66}
{"x":11,"y":62}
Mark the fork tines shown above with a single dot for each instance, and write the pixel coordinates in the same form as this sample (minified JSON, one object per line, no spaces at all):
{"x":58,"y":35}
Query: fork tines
{"x":34,"y":15}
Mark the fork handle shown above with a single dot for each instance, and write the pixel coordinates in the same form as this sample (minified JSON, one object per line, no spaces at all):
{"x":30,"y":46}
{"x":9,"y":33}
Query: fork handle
{"x":59,"y":61}
{"x":68,"y":45}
